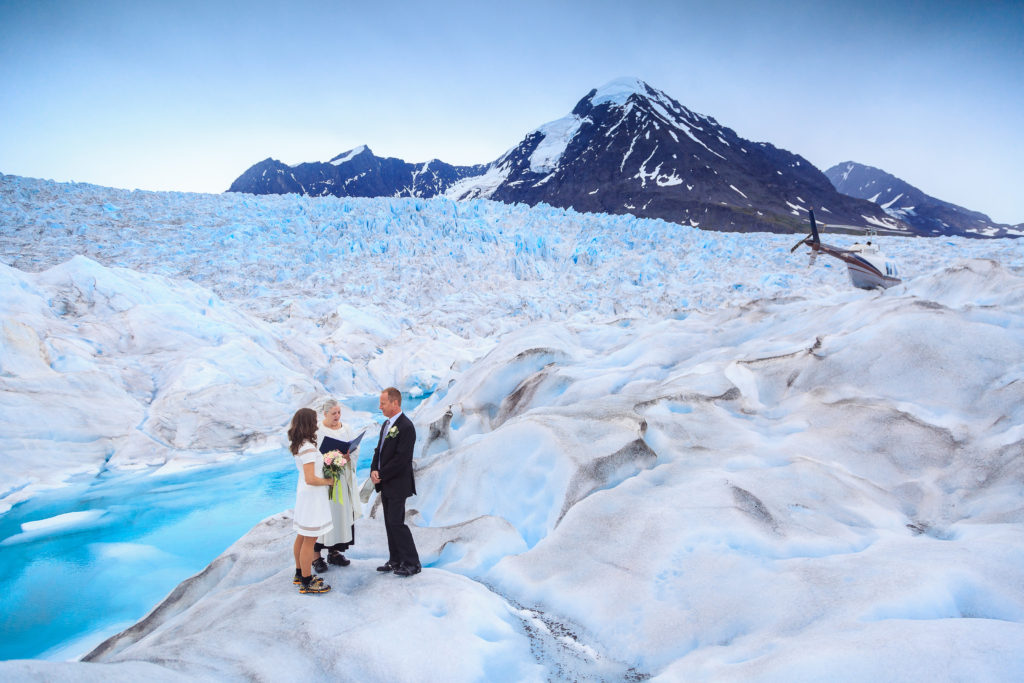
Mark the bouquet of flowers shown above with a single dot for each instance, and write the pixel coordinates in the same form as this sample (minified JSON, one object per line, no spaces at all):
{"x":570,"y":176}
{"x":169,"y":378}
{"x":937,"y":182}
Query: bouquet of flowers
{"x":333,"y":462}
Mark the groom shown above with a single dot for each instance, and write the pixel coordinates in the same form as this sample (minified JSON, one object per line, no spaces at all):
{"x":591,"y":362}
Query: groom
{"x":391,"y":473}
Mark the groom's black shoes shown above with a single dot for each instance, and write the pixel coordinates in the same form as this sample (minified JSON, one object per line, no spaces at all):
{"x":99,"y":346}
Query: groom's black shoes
{"x":319,"y":565}
{"x":388,"y":567}
{"x":408,"y":570}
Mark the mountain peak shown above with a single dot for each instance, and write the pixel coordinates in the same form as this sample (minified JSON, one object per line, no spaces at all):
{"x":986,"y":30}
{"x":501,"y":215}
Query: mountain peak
{"x":926,"y":214}
{"x":619,"y":90}
{"x":350,"y":155}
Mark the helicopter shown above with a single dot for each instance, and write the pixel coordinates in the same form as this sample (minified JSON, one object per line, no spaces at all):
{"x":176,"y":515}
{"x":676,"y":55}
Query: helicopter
{"x":867,"y":266}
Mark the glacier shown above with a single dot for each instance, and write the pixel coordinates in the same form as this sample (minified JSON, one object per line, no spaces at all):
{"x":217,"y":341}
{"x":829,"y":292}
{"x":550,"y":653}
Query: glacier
{"x":646,"y":450}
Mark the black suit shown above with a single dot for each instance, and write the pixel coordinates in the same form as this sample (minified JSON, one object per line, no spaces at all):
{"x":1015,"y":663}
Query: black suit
{"x":392,"y":460}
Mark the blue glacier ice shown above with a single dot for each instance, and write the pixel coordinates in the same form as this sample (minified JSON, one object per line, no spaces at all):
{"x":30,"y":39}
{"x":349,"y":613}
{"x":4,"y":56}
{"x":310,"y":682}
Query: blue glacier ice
{"x":644,"y":450}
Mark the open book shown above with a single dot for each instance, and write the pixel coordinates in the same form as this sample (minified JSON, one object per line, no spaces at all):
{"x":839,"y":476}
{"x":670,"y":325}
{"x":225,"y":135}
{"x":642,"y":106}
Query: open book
{"x":346,"y":447}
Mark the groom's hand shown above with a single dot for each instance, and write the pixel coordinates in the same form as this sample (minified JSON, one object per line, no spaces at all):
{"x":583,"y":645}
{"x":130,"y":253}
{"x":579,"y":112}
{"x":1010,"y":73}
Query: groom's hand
{"x":375,"y":477}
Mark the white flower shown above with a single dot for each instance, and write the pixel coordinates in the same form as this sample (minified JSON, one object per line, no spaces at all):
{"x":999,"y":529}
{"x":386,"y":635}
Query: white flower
{"x":392,"y":433}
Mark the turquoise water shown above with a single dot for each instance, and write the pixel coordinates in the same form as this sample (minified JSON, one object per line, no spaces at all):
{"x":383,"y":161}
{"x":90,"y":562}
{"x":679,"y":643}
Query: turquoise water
{"x":63,"y":592}
{"x":66,"y":587}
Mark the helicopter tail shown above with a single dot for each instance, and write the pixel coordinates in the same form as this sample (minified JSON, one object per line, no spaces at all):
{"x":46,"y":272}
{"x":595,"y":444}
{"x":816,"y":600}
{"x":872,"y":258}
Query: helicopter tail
{"x":810,"y":239}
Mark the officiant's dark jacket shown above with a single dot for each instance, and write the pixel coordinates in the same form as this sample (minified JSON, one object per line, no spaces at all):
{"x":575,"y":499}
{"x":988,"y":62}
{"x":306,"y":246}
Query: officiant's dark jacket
{"x":393,"y":461}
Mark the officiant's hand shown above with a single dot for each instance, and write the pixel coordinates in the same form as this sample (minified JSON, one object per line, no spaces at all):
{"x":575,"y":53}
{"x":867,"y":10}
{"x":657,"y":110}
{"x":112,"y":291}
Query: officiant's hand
{"x":375,"y":477}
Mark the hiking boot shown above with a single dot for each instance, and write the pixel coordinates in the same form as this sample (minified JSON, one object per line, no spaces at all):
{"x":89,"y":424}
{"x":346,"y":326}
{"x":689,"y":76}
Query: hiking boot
{"x":319,"y":565}
{"x":298,"y":577}
{"x":316,"y":585}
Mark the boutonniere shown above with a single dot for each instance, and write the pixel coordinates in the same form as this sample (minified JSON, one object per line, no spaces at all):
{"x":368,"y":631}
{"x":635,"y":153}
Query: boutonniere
{"x":392,"y":433}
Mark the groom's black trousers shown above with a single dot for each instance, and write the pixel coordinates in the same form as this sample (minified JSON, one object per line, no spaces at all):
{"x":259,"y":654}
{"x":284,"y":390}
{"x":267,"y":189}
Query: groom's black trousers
{"x":401,"y":547}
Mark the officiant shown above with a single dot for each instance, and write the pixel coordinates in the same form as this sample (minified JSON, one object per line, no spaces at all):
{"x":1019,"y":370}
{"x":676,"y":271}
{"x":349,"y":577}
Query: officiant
{"x":344,"y":513}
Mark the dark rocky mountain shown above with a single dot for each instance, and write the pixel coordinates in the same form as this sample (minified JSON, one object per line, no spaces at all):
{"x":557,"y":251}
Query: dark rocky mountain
{"x":924,"y":213}
{"x":625,"y":148}
{"x":356,"y":173}
{"x":629,"y":148}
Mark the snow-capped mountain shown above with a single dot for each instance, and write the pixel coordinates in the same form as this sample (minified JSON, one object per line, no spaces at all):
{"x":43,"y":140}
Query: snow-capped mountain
{"x":355,"y":173}
{"x":630,"y":148}
{"x":925,"y":214}
{"x":626,"y":148}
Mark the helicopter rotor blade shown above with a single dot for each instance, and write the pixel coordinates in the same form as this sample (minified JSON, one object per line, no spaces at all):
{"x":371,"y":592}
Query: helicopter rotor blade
{"x":798,"y":244}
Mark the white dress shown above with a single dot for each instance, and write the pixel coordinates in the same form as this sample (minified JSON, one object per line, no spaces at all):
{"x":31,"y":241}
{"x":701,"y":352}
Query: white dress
{"x":312,"y":508}
{"x":345,"y":513}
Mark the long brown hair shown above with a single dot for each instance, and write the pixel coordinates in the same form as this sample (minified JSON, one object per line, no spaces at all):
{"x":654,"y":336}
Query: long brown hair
{"x":303,"y":428}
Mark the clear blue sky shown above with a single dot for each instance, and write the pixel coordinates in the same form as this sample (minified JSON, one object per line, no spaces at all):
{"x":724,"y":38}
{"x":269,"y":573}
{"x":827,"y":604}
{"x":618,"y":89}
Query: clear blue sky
{"x":186,"y":95}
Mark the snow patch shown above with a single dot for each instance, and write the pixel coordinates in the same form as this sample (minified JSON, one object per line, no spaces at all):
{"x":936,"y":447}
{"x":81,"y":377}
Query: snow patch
{"x":345,"y":157}
{"x":557,"y":136}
